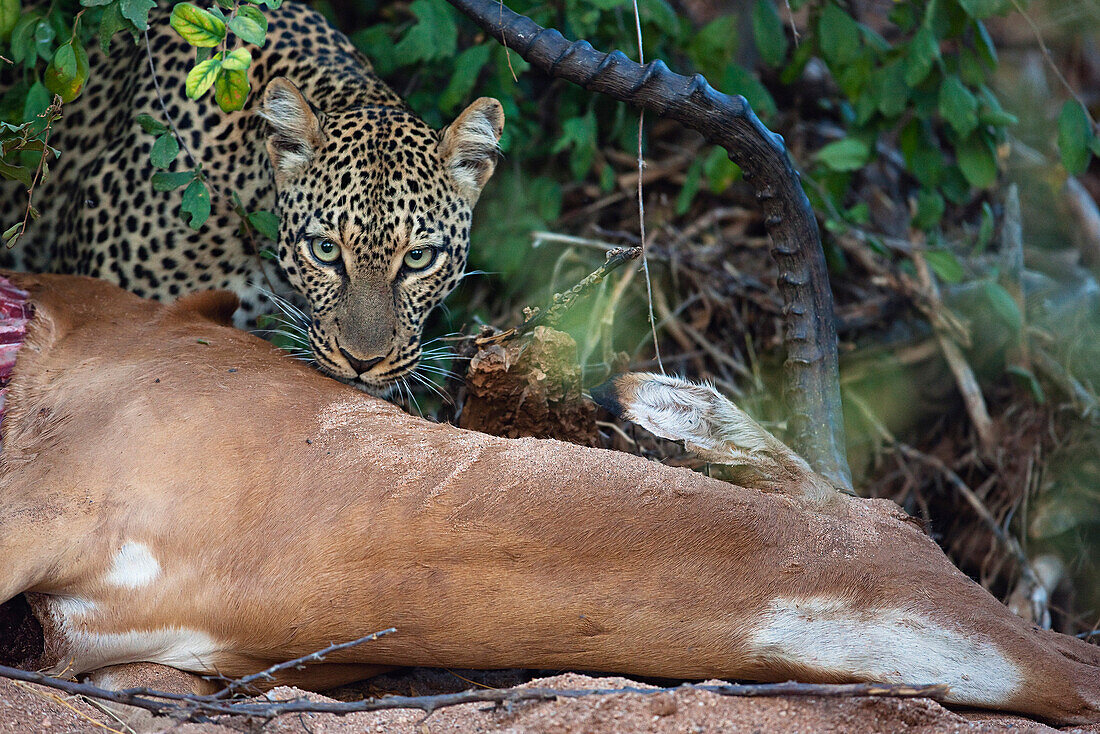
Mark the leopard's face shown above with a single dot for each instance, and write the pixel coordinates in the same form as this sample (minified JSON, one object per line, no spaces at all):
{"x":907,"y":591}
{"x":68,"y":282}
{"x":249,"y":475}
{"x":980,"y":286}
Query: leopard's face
{"x":375,"y":227}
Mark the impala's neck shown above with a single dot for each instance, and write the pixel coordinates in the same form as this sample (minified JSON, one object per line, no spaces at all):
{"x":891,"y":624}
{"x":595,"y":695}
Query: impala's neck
{"x":15,"y":313}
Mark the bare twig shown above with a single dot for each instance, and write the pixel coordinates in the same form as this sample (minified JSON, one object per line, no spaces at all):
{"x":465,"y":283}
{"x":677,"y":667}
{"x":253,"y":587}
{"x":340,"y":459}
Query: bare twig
{"x":52,"y":113}
{"x":539,"y":237}
{"x":297,"y":663}
{"x":562,"y":302}
{"x":641,"y":206}
{"x":193,"y":707}
{"x":164,"y":105}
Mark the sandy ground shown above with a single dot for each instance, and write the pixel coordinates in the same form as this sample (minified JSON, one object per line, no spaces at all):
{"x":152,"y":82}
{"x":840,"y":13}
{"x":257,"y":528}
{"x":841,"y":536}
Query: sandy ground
{"x":26,"y":708}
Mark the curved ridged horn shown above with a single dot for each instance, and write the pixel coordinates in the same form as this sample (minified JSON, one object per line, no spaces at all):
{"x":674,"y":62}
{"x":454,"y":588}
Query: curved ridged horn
{"x":812,"y":386}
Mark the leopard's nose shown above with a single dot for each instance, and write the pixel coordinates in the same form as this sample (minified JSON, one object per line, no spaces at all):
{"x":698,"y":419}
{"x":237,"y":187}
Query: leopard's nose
{"x":360,"y":365}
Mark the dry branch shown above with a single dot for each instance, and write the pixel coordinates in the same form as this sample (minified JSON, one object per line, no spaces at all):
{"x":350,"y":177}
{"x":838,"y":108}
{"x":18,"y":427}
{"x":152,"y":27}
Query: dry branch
{"x":192,"y":707}
{"x":562,"y":302}
{"x":243,"y":684}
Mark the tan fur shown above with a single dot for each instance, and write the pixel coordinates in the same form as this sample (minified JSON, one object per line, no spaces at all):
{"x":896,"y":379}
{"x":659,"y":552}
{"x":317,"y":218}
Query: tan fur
{"x":286,"y":511}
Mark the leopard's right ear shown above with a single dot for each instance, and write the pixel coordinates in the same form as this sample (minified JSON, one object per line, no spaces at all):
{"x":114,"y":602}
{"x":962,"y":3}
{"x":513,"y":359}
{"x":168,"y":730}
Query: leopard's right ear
{"x":295,"y":132}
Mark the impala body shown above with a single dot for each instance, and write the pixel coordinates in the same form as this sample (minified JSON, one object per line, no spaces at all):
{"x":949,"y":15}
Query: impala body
{"x":176,"y":491}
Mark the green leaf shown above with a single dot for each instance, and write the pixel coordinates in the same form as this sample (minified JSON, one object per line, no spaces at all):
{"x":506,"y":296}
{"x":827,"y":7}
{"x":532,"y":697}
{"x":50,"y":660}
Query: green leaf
{"x":977,"y":161}
{"x":713,"y":48}
{"x":434,"y":36}
{"x":720,"y":170}
{"x":137,"y":12}
{"x":266,"y":223}
{"x":579,"y":136}
{"x":924,"y":50}
{"x":848,"y":154}
{"x":250,"y":25}
{"x":22,"y":174}
{"x":202,"y":77}
{"x":984,"y":44}
{"x":930,"y":208}
{"x":958,"y":106}
{"x":660,"y":14}
{"x":67,"y":71}
{"x":164,"y":151}
{"x":467,"y":68}
{"x":231,"y":89}
{"x":196,"y":202}
{"x":892,"y":91}
{"x":167,"y":181}
{"x":767,"y":29}
{"x":1074,"y":136}
{"x":979,"y":9}
{"x":1004,"y":305}
{"x":22,"y":40}
{"x":110,"y":23}
{"x":692,"y":179}
{"x":838,"y":35}
{"x":855,"y":76}
{"x":945,"y":265}
{"x":44,"y":35}
{"x":198,"y":27}
{"x":985,"y":229}
{"x":95,"y":3}
{"x":273,"y":4}
{"x":12,"y":232}
{"x":64,"y":60}
{"x":1028,"y":378}
{"x":744,"y":81}
{"x":151,"y":125}
{"x":991,"y":112}
{"x":9,"y":16}
{"x":38,"y":99}
{"x":238,"y":59}
{"x":375,"y":43}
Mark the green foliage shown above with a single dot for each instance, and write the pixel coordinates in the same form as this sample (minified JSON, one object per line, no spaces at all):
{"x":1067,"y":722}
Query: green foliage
{"x":1075,"y":137}
{"x":927,"y":88}
{"x":225,"y":70}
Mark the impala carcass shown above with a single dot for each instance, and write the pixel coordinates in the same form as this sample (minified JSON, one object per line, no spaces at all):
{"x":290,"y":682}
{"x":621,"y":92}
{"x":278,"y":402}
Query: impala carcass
{"x":175,"y":491}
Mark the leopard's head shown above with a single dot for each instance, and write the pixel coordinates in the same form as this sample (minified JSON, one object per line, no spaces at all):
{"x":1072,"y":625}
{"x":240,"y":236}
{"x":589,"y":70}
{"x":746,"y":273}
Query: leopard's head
{"x":375,"y":209}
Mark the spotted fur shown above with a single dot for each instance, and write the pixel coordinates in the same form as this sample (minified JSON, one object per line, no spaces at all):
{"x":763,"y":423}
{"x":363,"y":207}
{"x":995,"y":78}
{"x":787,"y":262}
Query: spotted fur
{"x":324,"y":143}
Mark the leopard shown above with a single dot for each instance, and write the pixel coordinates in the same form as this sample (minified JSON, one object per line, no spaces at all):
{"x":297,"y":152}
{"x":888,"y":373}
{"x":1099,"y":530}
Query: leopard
{"x":374,"y":205}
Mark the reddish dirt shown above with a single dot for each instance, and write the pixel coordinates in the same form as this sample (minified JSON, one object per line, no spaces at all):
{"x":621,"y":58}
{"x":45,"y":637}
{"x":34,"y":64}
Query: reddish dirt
{"x":26,"y":708}
{"x":529,"y":388}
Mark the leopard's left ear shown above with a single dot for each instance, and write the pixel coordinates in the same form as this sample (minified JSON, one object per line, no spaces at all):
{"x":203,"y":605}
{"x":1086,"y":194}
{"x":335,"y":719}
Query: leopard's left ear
{"x":469,"y":146}
{"x":295,"y":132}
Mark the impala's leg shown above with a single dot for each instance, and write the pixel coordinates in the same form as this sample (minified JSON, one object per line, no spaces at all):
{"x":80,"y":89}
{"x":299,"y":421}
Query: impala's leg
{"x":713,"y":428}
{"x":150,"y":675}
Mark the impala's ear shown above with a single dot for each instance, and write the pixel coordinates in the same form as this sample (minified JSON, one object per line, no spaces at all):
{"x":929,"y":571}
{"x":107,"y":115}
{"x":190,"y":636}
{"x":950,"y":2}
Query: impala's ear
{"x":469,"y":146}
{"x":295,"y":131}
{"x":216,"y":306}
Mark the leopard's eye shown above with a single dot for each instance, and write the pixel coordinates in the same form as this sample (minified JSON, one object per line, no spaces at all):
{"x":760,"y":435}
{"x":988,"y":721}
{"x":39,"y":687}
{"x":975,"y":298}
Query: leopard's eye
{"x":324,"y":250}
{"x":419,"y":258}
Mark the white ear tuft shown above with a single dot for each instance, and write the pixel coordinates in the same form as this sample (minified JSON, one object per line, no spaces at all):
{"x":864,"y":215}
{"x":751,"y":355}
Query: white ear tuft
{"x":469,"y":146}
{"x":712,"y":427}
{"x":295,"y":131}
